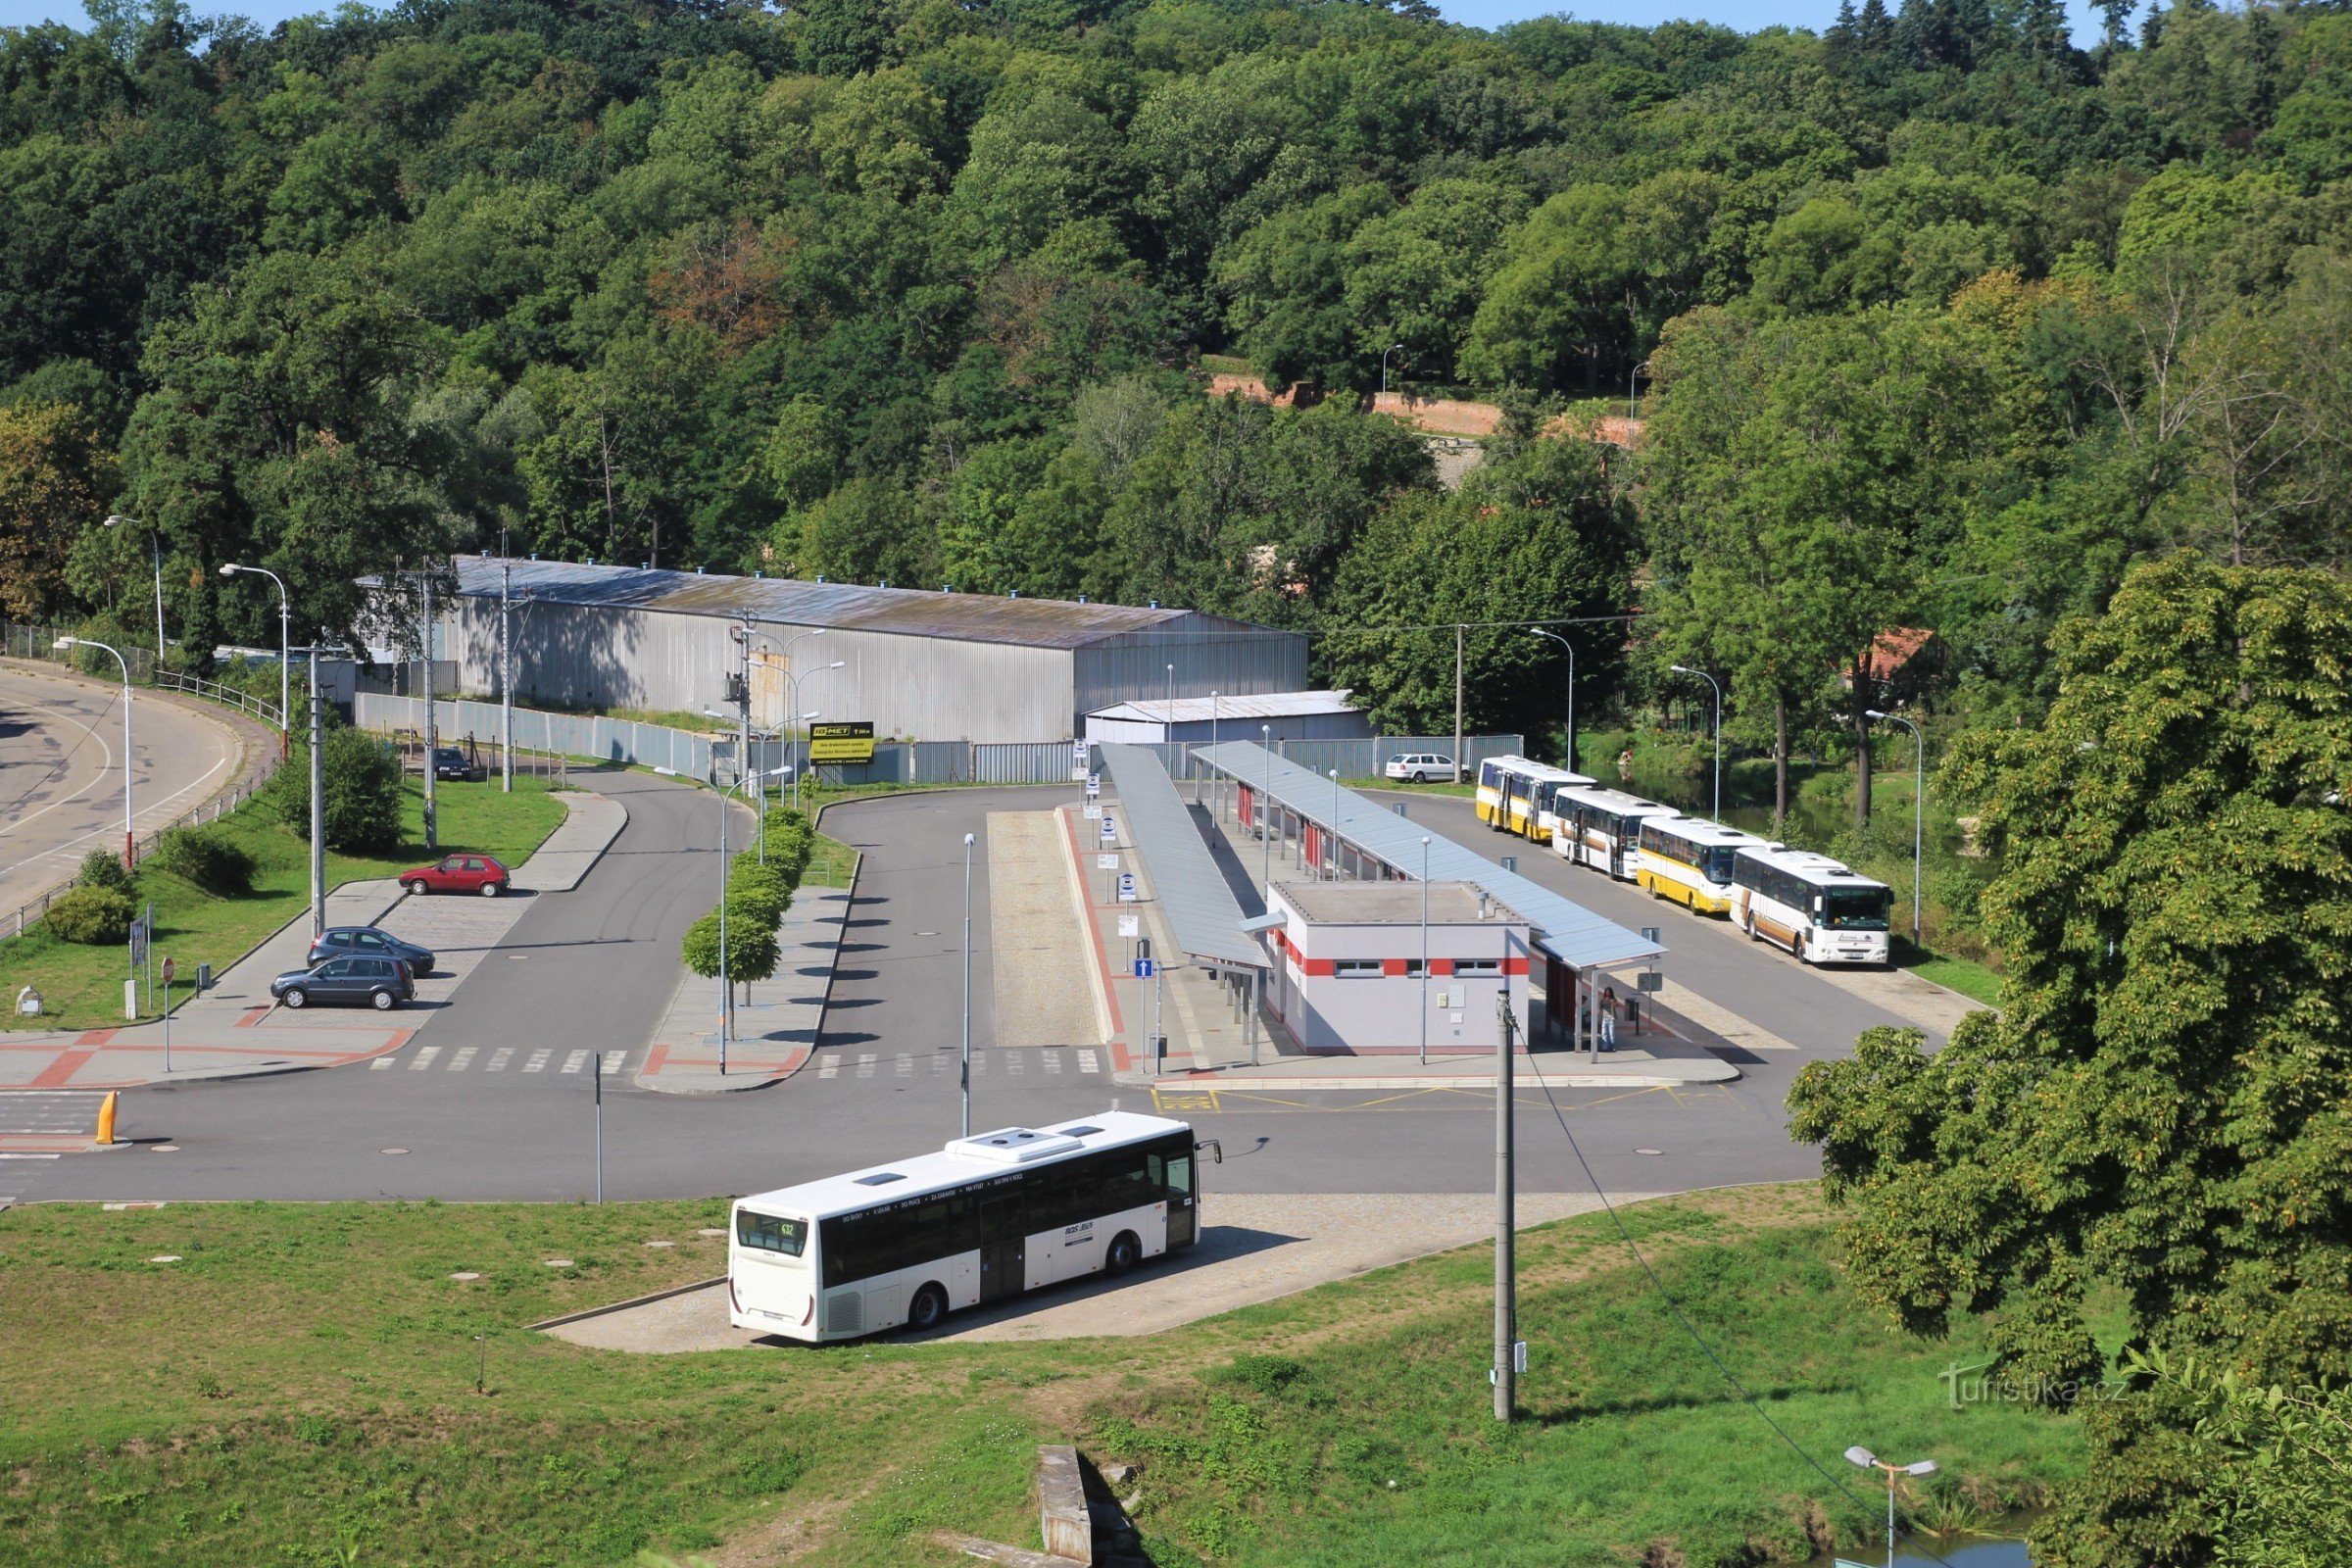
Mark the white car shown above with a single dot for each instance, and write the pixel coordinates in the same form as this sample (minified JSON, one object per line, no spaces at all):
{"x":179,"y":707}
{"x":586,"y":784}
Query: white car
{"x":1422,"y":766}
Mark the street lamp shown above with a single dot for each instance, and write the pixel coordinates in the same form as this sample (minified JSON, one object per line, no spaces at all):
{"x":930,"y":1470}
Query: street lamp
{"x":63,"y":643}
{"x":967,"y":984}
{"x":1265,"y":844}
{"x":726,"y":993}
{"x":1919,"y":807}
{"x":1868,"y":1460}
{"x":1423,"y":950}
{"x":1684,"y":669}
{"x":1631,"y":376}
{"x":115,"y":520}
{"x":285,"y":615}
{"x":1539,"y":631}
{"x":1331,"y":849}
{"x":1393,"y":348}
{"x":1216,"y":793}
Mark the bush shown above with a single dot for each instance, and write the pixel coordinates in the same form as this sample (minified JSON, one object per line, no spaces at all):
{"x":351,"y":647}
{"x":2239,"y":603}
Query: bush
{"x":103,"y":868}
{"x":362,"y":786}
{"x":205,"y":856}
{"x":761,"y":899}
{"x":751,"y":949}
{"x":92,"y":916}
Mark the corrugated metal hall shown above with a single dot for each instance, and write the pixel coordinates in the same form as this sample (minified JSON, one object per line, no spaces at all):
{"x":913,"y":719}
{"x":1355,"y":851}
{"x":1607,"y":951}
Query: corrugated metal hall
{"x":918,"y":664}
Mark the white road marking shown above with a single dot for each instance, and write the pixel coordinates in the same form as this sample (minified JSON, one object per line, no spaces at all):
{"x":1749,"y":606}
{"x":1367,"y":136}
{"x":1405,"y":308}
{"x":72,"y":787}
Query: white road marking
{"x":866,"y":1065}
{"x":423,"y":1058}
{"x":464,"y":1058}
{"x":499,"y":1058}
{"x":1012,"y":1062}
{"x":379,"y":1064}
{"x":905,"y":1066}
{"x":830,"y":1067}
{"x":28,"y":1156}
{"x":1088,"y":1061}
{"x":537,"y":1063}
{"x":575,"y":1061}
{"x":612,"y":1061}
{"x":1053,"y":1061}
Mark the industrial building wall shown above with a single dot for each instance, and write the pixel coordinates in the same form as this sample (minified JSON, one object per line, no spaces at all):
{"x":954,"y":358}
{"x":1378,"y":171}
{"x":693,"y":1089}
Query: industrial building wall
{"x":1210,"y":654}
{"x":924,"y":688}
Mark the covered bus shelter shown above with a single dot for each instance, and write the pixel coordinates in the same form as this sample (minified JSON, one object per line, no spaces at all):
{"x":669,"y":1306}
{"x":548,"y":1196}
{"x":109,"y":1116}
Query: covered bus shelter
{"x":1207,"y":919}
{"x":1341,"y":833}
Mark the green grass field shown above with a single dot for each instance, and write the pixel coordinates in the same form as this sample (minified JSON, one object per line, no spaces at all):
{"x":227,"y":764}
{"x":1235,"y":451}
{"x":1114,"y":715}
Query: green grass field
{"x":82,"y":985}
{"x":301,"y":1389}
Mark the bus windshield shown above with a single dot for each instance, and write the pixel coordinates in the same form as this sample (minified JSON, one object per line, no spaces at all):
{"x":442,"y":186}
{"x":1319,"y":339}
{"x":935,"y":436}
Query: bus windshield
{"x":1856,"y":908}
{"x":1715,"y":863}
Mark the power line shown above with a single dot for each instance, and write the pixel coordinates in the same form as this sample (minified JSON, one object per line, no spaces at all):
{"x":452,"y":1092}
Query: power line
{"x":1626,"y":1234}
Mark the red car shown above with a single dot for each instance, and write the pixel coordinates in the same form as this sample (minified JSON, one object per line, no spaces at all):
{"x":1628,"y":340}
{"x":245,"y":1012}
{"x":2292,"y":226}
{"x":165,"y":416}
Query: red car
{"x":458,"y":873}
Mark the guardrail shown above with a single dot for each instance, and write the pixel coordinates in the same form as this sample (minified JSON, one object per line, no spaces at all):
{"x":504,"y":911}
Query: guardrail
{"x":211,"y":691}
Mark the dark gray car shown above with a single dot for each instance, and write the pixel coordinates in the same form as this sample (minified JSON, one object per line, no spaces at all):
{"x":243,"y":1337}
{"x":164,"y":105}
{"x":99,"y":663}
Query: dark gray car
{"x":348,"y":981}
{"x":368,"y":942}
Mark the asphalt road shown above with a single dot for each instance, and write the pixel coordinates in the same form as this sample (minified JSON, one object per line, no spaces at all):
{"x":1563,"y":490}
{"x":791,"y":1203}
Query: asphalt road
{"x":61,"y":774}
{"x":589,"y":971}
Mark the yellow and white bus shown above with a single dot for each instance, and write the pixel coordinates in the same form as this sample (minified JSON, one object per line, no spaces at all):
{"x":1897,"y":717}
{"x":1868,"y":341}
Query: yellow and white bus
{"x":1810,"y":904}
{"x":1514,"y":795}
{"x":1688,"y":859}
{"x":1601,"y":828}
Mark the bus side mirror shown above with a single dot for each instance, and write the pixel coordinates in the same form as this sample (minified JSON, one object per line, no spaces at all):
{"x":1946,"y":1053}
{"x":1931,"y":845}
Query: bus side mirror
{"x":1215,"y":1149}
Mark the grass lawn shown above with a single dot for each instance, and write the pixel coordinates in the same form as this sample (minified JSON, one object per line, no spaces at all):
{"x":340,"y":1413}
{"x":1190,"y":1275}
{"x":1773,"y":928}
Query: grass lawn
{"x":1406,"y":786}
{"x":301,"y":1389}
{"x":831,"y":863}
{"x":84,"y":984}
{"x":1964,"y":975}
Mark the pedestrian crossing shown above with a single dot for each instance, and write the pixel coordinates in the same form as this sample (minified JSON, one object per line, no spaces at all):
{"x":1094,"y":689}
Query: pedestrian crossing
{"x":1012,"y":1062}
{"x":467,"y":1059}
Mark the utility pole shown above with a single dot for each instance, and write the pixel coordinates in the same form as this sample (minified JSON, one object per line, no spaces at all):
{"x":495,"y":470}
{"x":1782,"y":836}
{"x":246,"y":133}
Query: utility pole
{"x":1506,"y":1261}
{"x":1457,"y":703}
{"x":319,"y":805}
{"x":505,"y":676}
{"x":432,"y":839}
{"x":967,"y":984}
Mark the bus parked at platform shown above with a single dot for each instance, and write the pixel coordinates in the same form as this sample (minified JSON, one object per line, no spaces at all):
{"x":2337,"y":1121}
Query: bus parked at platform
{"x":1810,"y":904}
{"x":1602,"y":827}
{"x":987,"y":1217}
{"x":1514,"y":795}
{"x":1688,"y":861}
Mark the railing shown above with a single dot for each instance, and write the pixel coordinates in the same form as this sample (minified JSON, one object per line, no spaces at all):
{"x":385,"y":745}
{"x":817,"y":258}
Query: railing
{"x":211,"y":691}
{"x":19,"y":640}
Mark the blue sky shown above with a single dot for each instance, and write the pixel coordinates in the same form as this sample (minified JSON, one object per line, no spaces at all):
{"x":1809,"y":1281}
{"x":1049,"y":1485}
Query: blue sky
{"x":1746,"y":15}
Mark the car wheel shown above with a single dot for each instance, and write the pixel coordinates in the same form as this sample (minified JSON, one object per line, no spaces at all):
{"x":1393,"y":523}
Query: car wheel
{"x":491,"y":890}
{"x":1420,"y":779}
{"x":420,"y":887}
{"x":929,"y":1309}
{"x":383,"y":1000}
{"x":1125,"y":1252}
{"x":296,"y":997}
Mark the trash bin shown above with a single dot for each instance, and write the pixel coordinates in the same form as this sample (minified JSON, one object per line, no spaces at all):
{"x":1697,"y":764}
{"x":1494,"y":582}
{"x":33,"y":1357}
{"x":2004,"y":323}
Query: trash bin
{"x":1633,"y":1013}
{"x":204,"y":977}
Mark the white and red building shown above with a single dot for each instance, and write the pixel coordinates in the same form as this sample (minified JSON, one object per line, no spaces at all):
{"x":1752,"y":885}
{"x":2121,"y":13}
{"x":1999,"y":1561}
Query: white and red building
{"x":1347,"y":965}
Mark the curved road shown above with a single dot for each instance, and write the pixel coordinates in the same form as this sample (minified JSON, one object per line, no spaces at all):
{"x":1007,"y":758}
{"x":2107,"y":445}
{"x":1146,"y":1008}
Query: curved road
{"x":61,"y":772}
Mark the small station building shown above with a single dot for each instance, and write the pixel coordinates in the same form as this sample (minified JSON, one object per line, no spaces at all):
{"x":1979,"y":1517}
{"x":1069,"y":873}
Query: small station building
{"x":1359,"y":969}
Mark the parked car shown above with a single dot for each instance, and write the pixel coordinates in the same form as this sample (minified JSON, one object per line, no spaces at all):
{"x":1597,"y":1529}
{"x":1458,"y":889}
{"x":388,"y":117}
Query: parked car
{"x":450,"y":763}
{"x":458,"y":873}
{"x":1422,"y":766}
{"x":369,"y":943}
{"x":350,"y":981}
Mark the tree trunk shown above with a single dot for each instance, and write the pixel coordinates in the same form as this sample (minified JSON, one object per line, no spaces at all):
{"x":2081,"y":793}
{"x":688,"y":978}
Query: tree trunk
{"x":1861,"y":711}
{"x":1780,"y":765}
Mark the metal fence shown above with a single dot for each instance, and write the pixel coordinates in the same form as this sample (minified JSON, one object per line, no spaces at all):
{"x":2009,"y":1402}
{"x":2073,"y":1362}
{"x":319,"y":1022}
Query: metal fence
{"x":211,"y":691}
{"x":604,"y":740}
{"x":22,"y":640}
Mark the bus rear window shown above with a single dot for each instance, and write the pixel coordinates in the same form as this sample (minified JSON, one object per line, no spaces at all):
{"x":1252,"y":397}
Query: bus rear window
{"x":770,"y":1234}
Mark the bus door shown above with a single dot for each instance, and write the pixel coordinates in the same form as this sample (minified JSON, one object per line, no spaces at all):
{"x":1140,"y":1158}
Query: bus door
{"x":1174,"y":1174}
{"x":1003,"y":1260}
{"x":1617,"y":850}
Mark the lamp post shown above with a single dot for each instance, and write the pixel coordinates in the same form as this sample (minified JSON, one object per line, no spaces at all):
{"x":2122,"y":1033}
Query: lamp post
{"x":1330,"y":849}
{"x":1684,"y":669}
{"x":967,"y":984}
{"x":1919,"y":808}
{"x":63,"y":643}
{"x":1423,"y":950}
{"x":726,"y":993}
{"x":1393,"y":348}
{"x":1216,"y":792}
{"x":285,"y":615}
{"x":1539,"y":631}
{"x":1266,"y":845}
{"x":1868,"y":1460}
{"x":155,"y":540}
{"x":1631,"y":376}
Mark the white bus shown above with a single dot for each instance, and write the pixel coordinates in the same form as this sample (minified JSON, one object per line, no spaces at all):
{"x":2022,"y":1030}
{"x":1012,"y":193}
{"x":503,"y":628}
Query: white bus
{"x":1601,"y":828}
{"x":1688,"y":859}
{"x":987,"y":1217}
{"x":1514,"y":794}
{"x":1810,"y":904}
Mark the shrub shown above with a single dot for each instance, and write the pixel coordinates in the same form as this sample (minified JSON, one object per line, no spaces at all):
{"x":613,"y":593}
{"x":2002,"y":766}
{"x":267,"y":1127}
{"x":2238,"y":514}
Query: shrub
{"x":103,"y":868}
{"x":206,"y":857}
{"x":362,"y":787}
{"x":92,"y":916}
{"x":751,"y":949}
{"x":762,"y":899}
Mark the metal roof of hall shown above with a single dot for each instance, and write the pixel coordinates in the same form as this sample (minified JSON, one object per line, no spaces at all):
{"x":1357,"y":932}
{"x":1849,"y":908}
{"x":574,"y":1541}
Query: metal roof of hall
{"x":1563,"y":928}
{"x":1207,"y":709}
{"x":1185,"y":878}
{"x":905,"y":612}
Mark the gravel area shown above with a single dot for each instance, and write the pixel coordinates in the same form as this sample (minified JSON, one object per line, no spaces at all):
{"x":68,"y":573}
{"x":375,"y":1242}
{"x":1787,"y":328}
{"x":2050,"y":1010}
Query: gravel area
{"x":1255,"y":1249}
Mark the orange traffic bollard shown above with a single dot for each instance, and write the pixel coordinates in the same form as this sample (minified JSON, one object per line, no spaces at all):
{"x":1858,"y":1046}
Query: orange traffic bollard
{"x":106,"y":1119}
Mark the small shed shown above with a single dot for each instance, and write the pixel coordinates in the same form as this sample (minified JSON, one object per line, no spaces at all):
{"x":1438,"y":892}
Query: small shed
{"x":1205,"y":720}
{"x":1349,"y":957}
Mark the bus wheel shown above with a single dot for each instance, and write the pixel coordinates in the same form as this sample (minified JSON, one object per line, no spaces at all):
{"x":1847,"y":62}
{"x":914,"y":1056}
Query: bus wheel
{"x":928,"y":1309}
{"x":1125,"y":1252}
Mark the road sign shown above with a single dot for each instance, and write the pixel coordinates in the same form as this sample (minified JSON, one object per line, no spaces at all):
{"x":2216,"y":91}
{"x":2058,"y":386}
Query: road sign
{"x":1126,"y":887}
{"x":1080,"y":761}
{"x":1093,"y":785}
{"x":1093,"y":812}
{"x":1107,"y":862}
{"x":1510,"y":863}
{"x":139,"y":941}
{"x":1129,"y":924}
{"x":1110,"y":828}
{"x":1145,"y":969}
{"x":1649,"y":980}
{"x":169,"y":970}
{"x":846,"y":742}
{"x":1649,"y":933}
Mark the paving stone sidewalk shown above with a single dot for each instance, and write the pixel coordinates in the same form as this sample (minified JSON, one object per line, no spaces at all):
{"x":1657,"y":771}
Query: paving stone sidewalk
{"x":775,"y":1031}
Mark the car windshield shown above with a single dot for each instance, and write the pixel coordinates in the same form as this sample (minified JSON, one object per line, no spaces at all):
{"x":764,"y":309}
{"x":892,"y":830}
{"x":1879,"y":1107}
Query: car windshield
{"x":1856,"y":908}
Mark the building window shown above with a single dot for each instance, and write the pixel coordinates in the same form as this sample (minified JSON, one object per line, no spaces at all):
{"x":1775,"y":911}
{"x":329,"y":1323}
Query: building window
{"x":1412,"y":968}
{"x":1478,"y":968}
{"x":1357,"y":968}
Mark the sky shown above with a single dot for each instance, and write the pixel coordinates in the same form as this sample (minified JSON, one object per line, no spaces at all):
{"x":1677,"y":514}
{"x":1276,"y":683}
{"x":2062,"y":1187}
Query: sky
{"x":1749,"y":16}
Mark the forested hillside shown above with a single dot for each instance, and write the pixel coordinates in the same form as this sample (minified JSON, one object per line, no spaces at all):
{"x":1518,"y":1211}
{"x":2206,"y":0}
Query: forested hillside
{"x":1936,"y":320}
